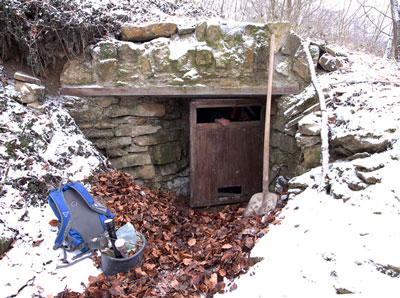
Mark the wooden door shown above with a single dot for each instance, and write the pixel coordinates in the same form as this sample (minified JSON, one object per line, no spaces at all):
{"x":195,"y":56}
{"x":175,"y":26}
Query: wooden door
{"x":226,"y":161}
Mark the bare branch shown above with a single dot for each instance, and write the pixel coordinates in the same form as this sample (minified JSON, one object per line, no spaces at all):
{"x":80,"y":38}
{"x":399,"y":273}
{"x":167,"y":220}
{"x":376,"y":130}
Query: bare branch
{"x":324,"y":119}
{"x":373,"y":8}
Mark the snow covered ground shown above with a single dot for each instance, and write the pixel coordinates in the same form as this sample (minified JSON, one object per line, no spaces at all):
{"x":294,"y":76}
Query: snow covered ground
{"x":38,"y":150}
{"x":325,"y":245}
{"x":348,"y":241}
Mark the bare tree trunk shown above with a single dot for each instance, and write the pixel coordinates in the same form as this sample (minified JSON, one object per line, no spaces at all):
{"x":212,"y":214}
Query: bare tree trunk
{"x":396,"y":28}
{"x":389,"y":48}
{"x":272,"y":10}
{"x":289,"y":9}
{"x":324,"y":120}
{"x":244,"y":9}
{"x":222,"y":8}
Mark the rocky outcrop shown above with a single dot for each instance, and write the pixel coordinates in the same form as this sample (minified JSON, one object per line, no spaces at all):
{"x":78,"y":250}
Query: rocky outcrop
{"x":300,"y":64}
{"x":30,"y":88}
{"x":330,"y":63}
{"x":352,"y":143}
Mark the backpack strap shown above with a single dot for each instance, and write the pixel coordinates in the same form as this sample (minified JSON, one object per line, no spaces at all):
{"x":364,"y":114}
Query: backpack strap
{"x":80,"y":189}
{"x":62,"y":212}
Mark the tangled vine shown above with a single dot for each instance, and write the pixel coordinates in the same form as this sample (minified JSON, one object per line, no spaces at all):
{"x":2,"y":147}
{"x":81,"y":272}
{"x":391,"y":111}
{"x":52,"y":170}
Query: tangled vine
{"x":40,"y":31}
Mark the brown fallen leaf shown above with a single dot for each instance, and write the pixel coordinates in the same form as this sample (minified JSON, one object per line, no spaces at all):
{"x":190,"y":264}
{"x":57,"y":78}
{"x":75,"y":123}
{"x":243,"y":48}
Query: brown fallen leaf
{"x":116,"y":290}
{"x":191,"y":242}
{"x":139,"y":271}
{"x":166,"y":237}
{"x":148,"y":266}
{"x":53,"y":222}
{"x":37,"y":243}
{"x":212,"y":282}
{"x":183,"y":246}
{"x":222,"y":272}
{"x":249,"y":242}
{"x":227,"y":246}
{"x":93,"y":279}
{"x":226,"y":256}
{"x":187,"y":261}
{"x":175,"y":284}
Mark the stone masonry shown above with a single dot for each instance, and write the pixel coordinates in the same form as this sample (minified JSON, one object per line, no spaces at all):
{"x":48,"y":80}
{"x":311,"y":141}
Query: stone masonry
{"x":148,"y":137}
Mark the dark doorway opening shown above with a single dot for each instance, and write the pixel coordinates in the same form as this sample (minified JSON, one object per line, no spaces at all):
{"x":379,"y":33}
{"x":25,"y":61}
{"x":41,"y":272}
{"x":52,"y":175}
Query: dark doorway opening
{"x":234,"y":114}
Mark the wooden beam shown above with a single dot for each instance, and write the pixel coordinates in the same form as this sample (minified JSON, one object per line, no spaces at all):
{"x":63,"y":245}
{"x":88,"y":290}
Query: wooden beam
{"x":169,"y":91}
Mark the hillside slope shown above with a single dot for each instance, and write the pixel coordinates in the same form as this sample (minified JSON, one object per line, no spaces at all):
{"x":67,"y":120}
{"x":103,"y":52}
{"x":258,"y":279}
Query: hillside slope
{"x":322,"y":244}
{"x":347,"y":241}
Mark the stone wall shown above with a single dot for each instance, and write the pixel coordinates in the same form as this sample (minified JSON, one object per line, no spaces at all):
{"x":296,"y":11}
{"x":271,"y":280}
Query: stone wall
{"x":284,"y":150}
{"x":203,"y":54}
{"x":148,"y":138}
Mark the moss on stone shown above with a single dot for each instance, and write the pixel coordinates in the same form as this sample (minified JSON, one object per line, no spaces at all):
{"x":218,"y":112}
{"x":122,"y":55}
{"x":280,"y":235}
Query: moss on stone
{"x":204,"y":58}
{"x":201,"y":30}
{"x":260,"y":34}
{"x":122,"y":72}
{"x":104,"y":50}
{"x":106,"y":69}
{"x":185,"y":62}
{"x":213,"y":35}
{"x":107,"y":50}
{"x":307,"y":103}
{"x":223,"y":61}
{"x":145,"y":66}
{"x":235,"y":40}
{"x":161,"y":59}
{"x":128,"y":52}
{"x":312,"y":157}
{"x":165,"y":153}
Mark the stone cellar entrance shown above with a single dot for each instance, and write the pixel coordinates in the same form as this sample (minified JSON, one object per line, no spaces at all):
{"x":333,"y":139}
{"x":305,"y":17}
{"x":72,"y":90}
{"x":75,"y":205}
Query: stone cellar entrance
{"x":152,"y":106}
{"x":178,"y":142}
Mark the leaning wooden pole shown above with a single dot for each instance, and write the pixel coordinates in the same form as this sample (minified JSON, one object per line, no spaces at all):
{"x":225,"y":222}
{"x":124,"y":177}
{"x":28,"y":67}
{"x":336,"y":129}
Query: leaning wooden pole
{"x":267,"y":118}
{"x":324,"y":119}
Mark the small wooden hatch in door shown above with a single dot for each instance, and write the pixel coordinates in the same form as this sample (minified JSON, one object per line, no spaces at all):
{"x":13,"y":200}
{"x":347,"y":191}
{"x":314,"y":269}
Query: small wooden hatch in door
{"x":226,"y":159}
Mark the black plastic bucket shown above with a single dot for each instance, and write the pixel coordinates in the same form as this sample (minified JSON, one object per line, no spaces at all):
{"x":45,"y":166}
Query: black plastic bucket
{"x":111,"y":266}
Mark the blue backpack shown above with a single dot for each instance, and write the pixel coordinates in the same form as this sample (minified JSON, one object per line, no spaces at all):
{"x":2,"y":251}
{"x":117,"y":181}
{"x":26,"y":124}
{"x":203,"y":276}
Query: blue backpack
{"x":80,"y":217}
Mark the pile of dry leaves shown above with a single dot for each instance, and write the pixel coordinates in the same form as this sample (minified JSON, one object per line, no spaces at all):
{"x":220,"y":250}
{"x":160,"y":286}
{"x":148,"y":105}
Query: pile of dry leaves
{"x":188,"y":252}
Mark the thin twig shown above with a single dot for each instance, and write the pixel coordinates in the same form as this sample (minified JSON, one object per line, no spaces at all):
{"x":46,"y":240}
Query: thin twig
{"x":364,"y":6}
{"x":24,"y":286}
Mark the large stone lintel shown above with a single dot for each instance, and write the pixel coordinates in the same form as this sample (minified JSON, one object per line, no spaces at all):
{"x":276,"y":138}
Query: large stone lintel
{"x":169,"y":91}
